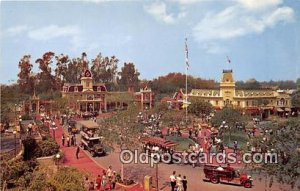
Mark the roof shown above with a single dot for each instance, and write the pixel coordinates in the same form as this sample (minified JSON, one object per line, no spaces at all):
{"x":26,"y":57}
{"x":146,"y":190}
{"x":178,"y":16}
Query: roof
{"x":159,"y":141}
{"x":89,"y":124}
{"x":254,"y":93}
{"x":227,"y":76}
{"x":205,"y":92}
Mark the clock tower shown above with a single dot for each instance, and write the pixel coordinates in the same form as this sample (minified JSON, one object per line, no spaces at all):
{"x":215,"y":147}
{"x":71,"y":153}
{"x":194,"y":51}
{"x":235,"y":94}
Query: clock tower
{"x":227,"y":87}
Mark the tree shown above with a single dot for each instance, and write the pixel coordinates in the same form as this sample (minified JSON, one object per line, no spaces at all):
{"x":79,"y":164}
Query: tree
{"x":104,"y":69}
{"x":25,"y":81}
{"x":285,"y":141}
{"x":199,"y":107}
{"x":129,"y":76}
{"x":47,"y":81}
{"x":228,"y":114}
{"x":296,"y":99}
{"x":172,"y":82}
{"x":62,"y":62}
{"x":298,"y":83}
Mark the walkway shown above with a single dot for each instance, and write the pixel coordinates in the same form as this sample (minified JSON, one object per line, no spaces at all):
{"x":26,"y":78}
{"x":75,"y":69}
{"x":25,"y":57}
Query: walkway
{"x":84,"y":163}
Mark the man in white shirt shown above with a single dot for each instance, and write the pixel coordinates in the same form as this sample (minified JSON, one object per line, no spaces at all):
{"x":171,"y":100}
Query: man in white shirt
{"x":173,"y":180}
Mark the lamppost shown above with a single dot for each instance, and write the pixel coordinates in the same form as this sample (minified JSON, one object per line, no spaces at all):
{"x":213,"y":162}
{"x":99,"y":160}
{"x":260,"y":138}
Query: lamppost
{"x":156,"y":169}
{"x":57,"y":156}
{"x":20,"y":124}
{"x":15,"y":138}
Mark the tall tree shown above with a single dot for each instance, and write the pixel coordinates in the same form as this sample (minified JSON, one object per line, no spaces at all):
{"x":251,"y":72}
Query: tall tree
{"x":296,"y":99}
{"x":104,"y":69}
{"x":75,"y":68}
{"x":46,"y":80}
{"x":25,"y":81}
{"x":129,"y":76}
{"x":62,"y":62}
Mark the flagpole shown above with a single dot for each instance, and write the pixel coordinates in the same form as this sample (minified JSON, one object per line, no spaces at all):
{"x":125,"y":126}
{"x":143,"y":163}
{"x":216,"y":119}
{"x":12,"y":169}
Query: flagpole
{"x":186,"y":71}
{"x":186,"y":94}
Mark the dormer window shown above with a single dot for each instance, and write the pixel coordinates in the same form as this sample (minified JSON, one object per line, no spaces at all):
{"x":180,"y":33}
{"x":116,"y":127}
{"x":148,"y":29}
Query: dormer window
{"x":75,"y":89}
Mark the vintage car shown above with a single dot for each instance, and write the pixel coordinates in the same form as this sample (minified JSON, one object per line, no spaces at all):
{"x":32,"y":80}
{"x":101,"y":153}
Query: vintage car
{"x":227,"y":175}
{"x":90,"y":140}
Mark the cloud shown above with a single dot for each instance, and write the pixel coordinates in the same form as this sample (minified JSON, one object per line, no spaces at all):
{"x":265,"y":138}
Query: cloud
{"x":259,"y":4}
{"x":53,"y":31}
{"x":159,"y":11}
{"x":237,"y":20}
{"x":16,"y":30}
{"x":187,"y":2}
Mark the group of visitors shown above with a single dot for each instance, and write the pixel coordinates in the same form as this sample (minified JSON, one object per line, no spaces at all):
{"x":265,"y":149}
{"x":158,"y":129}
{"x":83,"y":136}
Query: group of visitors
{"x":69,"y":140}
{"x":106,"y":181}
{"x":178,"y":183}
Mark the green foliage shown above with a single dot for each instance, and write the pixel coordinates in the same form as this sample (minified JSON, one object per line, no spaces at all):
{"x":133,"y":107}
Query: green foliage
{"x":104,"y":70}
{"x":34,"y":149}
{"x":172,"y":82}
{"x":199,"y":107}
{"x":286,"y":142}
{"x":67,"y":179}
{"x":129,"y":76}
{"x":17,"y":172}
{"x":296,"y":99}
{"x":230,"y":115}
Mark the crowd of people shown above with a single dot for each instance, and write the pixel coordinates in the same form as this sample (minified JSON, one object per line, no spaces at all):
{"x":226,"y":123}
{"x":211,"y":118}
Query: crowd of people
{"x":178,"y":182}
{"x":105,"y":181}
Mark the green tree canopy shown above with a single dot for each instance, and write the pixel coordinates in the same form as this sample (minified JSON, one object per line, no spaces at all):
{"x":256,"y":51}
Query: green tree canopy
{"x":296,"y":99}
{"x":129,"y":76}
{"x":199,"y":107}
{"x":229,"y":115}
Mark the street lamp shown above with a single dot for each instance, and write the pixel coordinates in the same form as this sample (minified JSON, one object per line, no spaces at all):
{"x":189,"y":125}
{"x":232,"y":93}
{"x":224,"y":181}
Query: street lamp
{"x":15,"y":136}
{"x":57,"y":156}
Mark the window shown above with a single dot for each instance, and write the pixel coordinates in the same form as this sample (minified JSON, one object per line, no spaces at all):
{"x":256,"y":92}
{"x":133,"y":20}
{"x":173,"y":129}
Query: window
{"x":217,"y":102}
{"x":247,"y":104}
{"x":76,"y":89}
{"x":238,"y":103}
{"x":98,"y":89}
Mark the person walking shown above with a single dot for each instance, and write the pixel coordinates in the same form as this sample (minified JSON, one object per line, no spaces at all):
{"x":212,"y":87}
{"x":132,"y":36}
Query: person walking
{"x":173,"y":180}
{"x":114,"y":180}
{"x":104,"y":180}
{"x":179,"y":183}
{"x":98,"y":182}
{"x":68,"y":140}
{"x":77,"y":152}
{"x":63,"y":140}
{"x":184,"y":183}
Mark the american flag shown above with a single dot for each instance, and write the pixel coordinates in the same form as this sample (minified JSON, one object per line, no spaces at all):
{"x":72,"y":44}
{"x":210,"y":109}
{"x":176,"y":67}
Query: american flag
{"x":186,"y":54}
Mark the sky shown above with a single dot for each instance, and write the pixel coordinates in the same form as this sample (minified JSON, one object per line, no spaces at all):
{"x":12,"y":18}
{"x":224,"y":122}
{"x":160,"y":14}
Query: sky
{"x":260,"y":37}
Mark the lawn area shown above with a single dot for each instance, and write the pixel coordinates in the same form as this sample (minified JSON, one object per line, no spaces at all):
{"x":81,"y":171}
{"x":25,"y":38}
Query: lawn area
{"x":239,"y":136}
{"x":183,"y":143}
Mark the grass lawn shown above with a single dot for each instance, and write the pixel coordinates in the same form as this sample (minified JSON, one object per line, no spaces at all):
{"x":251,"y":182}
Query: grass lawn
{"x":183,"y":143}
{"x":239,"y":136}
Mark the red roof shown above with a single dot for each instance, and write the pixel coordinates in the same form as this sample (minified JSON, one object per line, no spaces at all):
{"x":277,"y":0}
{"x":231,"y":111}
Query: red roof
{"x":159,"y":141}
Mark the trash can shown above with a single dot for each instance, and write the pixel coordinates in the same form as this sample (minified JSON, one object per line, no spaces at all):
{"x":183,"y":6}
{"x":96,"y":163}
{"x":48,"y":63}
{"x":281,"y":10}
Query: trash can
{"x":147,"y":183}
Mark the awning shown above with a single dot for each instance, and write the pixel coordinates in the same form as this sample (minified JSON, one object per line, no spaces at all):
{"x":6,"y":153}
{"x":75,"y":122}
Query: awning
{"x":279,"y":110}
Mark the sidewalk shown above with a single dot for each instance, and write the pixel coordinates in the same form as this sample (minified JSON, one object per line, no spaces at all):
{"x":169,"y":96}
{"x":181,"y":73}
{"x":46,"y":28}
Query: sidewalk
{"x":84,"y":163}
